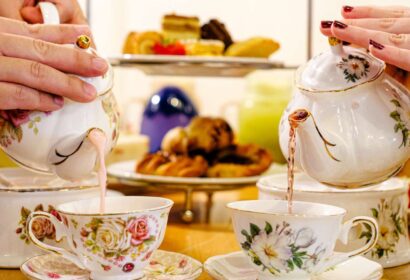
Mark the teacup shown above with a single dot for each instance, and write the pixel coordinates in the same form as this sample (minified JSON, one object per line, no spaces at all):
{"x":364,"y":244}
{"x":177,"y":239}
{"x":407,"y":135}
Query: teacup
{"x":297,"y":245}
{"x":115,"y":245}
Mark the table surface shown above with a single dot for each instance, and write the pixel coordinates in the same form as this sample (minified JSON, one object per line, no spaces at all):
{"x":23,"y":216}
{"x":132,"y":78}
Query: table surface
{"x":203,"y":240}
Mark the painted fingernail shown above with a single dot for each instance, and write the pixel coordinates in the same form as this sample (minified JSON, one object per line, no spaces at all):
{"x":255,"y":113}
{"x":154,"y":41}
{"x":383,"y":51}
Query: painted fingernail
{"x":346,"y":43}
{"x":347,"y":9}
{"x":99,"y":64}
{"x":89,"y":89}
{"x":339,"y":24}
{"x":376,"y":45}
{"x":58,"y":100}
{"x":326,"y":23}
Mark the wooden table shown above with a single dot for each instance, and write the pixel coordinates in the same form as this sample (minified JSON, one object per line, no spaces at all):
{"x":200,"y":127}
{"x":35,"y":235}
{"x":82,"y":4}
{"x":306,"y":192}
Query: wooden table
{"x":203,"y":240}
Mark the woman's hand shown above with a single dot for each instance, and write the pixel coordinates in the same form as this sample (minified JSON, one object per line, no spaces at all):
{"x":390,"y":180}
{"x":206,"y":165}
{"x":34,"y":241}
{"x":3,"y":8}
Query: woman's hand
{"x":28,"y":10}
{"x":34,"y":67}
{"x":385,"y":31}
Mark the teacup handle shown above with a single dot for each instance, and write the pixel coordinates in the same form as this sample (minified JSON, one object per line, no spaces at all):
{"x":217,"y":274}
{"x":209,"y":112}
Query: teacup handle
{"x":340,"y":257}
{"x":61,"y":232}
{"x":49,"y":12}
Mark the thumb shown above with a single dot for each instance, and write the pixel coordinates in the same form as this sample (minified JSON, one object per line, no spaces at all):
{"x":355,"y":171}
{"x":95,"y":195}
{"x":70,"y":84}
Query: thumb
{"x":32,"y":14}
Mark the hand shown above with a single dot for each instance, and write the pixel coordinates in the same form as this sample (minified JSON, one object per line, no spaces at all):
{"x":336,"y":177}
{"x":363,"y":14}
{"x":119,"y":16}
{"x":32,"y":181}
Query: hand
{"x":34,"y":67}
{"x":385,"y":31}
{"x":28,"y":10}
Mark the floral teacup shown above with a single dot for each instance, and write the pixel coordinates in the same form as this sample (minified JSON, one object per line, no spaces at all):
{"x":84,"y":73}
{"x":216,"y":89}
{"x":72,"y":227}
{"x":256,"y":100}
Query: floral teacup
{"x":297,"y":245}
{"x":114,"y":245}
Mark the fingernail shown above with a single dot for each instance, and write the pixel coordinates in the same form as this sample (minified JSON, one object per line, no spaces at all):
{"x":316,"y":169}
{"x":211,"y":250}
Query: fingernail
{"x":326,"y":23}
{"x":89,"y":89}
{"x":376,"y":45}
{"x":58,"y":100}
{"x":346,"y":43}
{"x":339,"y":24}
{"x":347,"y":9}
{"x":99,"y":64}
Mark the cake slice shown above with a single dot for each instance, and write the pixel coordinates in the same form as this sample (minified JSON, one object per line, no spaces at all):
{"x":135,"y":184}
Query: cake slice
{"x":216,"y":30}
{"x":175,"y":27}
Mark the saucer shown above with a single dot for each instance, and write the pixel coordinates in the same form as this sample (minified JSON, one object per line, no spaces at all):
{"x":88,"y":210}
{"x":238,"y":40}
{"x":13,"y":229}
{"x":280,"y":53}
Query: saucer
{"x":235,"y":266}
{"x":163,"y":266}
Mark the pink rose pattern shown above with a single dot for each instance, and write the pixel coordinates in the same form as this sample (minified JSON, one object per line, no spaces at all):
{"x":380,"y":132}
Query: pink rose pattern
{"x":128,"y":239}
{"x":16,"y":117}
{"x":10,"y":125}
{"x":139,"y":230}
{"x":42,"y":227}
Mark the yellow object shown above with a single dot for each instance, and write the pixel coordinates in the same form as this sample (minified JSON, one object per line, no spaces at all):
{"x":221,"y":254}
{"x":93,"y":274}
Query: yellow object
{"x":177,"y":28}
{"x":141,"y":43}
{"x":253,"y":47}
{"x":129,"y":147}
{"x":260,"y":111}
{"x":204,"y":47}
{"x":5,"y":161}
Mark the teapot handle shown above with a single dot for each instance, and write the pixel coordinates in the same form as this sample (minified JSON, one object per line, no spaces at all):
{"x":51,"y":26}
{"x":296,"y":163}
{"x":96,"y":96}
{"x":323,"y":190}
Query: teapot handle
{"x":50,"y":13}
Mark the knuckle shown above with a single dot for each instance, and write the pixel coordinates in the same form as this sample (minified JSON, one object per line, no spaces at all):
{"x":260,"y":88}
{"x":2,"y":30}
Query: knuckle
{"x":32,"y":29}
{"x":37,"y":70}
{"x":386,"y":23}
{"x":398,"y":39}
{"x":41,"y":47}
{"x":398,"y":12}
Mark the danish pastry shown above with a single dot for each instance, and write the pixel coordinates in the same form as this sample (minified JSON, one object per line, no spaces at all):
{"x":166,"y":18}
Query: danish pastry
{"x":240,"y":161}
{"x":165,"y":164}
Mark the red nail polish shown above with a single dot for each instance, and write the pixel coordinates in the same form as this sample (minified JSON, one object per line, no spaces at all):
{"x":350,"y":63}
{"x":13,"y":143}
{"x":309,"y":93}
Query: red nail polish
{"x":339,"y":25}
{"x":376,"y":45}
{"x":326,"y":24}
{"x":347,"y":9}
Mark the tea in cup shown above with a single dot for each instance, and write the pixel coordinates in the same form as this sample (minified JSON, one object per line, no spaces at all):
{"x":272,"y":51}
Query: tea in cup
{"x":297,"y":245}
{"x":115,"y":245}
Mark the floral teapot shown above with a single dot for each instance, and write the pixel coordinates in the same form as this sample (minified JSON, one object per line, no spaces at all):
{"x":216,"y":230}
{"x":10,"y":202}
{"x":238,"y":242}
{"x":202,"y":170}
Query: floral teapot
{"x":57,"y":142}
{"x":350,"y":119}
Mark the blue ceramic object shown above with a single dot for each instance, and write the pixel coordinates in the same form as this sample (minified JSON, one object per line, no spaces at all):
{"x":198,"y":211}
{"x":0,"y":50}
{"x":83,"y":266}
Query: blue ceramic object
{"x":166,"y":109}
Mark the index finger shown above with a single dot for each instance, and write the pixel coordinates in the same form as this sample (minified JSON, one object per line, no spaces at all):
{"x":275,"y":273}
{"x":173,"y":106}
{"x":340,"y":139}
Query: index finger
{"x":59,"y":34}
{"x":375,"y":12}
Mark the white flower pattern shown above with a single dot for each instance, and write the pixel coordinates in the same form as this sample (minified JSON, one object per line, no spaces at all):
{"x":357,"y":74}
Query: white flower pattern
{"x":392,"y":226}
{"x":281,"y":249}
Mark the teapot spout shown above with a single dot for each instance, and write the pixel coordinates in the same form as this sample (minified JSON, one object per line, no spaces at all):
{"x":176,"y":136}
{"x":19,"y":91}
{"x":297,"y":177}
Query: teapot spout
{"x":74,"y":157}
{"x":309,"y":129}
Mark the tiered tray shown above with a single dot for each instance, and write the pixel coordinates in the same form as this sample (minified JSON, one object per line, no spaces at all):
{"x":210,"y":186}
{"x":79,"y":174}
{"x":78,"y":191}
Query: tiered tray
{"x":206,"y":66}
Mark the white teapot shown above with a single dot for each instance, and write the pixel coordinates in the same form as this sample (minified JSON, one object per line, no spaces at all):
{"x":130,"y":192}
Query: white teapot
{"x":352,"y":119}
{"x":57,"y":142}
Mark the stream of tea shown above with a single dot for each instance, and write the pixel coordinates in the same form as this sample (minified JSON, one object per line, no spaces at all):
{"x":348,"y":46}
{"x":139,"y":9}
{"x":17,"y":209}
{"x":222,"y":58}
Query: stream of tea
{"x":98,"y":139}
{"x":294,"y":119}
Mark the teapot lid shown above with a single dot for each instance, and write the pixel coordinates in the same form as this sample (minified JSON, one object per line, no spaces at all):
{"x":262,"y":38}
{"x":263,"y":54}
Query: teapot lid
{"x":339,"y":69}
{"x":102,"y":83}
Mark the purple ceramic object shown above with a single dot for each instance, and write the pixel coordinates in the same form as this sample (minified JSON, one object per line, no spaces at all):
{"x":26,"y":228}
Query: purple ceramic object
{"x":166,"y":109}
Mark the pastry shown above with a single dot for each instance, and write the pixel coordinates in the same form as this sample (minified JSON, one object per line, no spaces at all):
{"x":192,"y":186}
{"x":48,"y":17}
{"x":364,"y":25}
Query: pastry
{"x":208,"y":134}
{"x":142,"y":43}
{"x":216,"y":30}
{"x":204,"y":47}
{"x":175,"y":141}
{"x":165,"y":164}
{"x":175,"y":48}
{"x":253,"y":47}
{"x":130,"y":44}
{"x":202,"y":136}
{"x":176,"y":27}
{"x":240,"y":161}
